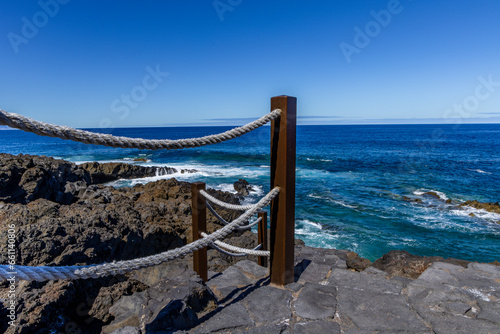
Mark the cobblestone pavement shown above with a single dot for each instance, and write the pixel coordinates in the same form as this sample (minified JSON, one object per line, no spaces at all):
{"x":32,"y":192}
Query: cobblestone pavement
{"x":328,"y":298}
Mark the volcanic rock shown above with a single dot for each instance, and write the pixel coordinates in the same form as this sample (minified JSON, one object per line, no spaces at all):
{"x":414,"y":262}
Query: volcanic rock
{"x":100,"y":224}
{"x":356,"y":262}
{"x":409,"y":199}
{"x":169,"y":304}
{"x":402,"y":263}
{"x":490,"y":207}
{"x":242,"y":187}
{"x":25,"y":178}
{"x":112,"y":171}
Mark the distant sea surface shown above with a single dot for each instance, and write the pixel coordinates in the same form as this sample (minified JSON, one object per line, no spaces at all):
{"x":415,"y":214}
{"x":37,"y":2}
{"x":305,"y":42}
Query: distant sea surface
{"x":354,"y":183}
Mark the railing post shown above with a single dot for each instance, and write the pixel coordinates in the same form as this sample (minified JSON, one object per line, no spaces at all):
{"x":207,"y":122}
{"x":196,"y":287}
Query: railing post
{"x":262,"y":237}
{"x":283,"y":142}
{"x":199,"y":214}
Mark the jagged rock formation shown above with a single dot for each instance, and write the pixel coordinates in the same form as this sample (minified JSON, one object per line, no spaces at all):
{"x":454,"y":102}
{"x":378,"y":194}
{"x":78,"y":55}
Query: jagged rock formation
{"x":404,"y":264}
{"x":25,"y":178}
{"x":242,"y":187}
{"x":98,"y":224}
{"x":490,"y":207}
{"x":112,"y":171}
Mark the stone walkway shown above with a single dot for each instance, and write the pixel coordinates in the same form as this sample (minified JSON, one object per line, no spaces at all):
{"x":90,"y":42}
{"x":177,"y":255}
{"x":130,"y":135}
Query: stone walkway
{"x":328,"y":298}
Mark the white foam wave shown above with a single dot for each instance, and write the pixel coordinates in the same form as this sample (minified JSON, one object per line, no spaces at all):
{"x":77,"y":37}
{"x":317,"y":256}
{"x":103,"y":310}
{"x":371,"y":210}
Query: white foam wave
{"x":227,"y":187}
{"x":322,"y":160}
{"x":333,"y":201}
{"x":445,"y":222}
{"x":345,"y":205}
{"x":421,"y":192}
{"x":257,"y":190}
{"x":315,"y":196}
{"x":402,"y":241}
{"x":466,"y":211}
{"x":310,"y":224}
{"x":314,"y":235}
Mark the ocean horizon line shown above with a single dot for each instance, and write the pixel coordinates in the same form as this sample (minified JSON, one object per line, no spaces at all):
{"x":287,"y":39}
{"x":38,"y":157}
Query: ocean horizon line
{"x":205,"y":125}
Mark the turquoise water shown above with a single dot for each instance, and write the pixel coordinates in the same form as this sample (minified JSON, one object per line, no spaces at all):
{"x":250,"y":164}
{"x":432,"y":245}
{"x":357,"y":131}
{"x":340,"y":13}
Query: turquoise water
{"x":350,"y":181}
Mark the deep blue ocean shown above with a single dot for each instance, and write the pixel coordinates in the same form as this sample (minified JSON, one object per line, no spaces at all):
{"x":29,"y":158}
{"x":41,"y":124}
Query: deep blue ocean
{"x":351,"y":180}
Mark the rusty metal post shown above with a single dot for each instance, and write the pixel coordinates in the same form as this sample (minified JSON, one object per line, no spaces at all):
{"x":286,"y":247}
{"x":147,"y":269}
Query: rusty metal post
{"x":283,"y":142}
{"x":199,"y":214}
{"x":262,"y":237}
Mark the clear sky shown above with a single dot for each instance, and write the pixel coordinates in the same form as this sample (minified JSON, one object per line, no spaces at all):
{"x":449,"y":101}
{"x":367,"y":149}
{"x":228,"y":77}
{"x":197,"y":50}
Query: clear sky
{"x":153,"y":63}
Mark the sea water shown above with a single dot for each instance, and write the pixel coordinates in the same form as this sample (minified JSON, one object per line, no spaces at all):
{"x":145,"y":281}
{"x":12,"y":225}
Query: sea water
{"x":355,"y":184}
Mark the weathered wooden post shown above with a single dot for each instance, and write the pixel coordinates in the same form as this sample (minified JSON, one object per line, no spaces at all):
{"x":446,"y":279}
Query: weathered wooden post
{"x":262,"y":237}
{"x":283,"y":142}
{"x":199,"y":214}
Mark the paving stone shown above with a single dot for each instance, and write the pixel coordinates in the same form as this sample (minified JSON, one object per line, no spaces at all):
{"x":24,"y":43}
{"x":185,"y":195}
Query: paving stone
{"x":489,"y":311}
{"x":445,"y":299}
{"x":316,"y":301}
{"x":451,"y":309}
{"x":342,"y":264}
{"x":404,"y":280}
{"x":127,"y":330}
{"x":231,"y":281}
{"x":294,"y":287}
{"x":232,"y":276}
{"x":361,"y":331}
{"x":458,"y":325}
{"x":431,"y":303}
{"x":228,"y":318}
{"x":317,"y":327}
{"x":375,"y":271}
{"x":437,"y":274}
{"x":374,"y":310}
{"x":269,"y":329}
{"x":320,"y":256}
{"x":268,"y":304}
{"x":355,"y":280}
{"x":314,"y":272}
{"x":484,"y":267}
{"x":252,"y":269}
{"x":479,"y":276}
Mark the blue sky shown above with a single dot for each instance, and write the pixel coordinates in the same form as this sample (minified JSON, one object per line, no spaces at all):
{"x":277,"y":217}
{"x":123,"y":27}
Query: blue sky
{"x":155,"y":63}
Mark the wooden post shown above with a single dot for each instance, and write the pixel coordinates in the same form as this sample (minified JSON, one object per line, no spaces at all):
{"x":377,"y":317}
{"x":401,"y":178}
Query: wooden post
{"x":199,"y":214}
{"x":262,"y":237}
{"x":283,"y":142}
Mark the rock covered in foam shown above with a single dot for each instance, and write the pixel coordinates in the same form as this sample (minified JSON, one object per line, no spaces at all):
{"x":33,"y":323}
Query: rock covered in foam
{"x":242,"y":187}
{"x":490,"y":207}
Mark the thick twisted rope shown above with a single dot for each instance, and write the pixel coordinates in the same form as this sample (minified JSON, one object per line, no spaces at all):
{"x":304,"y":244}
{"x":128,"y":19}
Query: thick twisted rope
{"x":87,"y":137}
{"x":45,"y":273}
{"x":224,"y":222}
{"x":239,"y":251}
{"x":225,"y":252}
{"x":224,"y":204}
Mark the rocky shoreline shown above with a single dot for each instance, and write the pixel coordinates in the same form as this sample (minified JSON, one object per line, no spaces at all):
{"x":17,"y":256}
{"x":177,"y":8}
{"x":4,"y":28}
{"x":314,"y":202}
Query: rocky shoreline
{"x":64,"y":215}
{"x":454,"y":205}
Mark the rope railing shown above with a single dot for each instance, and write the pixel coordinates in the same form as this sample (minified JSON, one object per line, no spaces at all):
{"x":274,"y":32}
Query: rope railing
{"x":225,"y":205}
{"x":224,"y":222}
{"x":44,"y":273}
{"x":225,"y":252}
{"x":239,"y":251}
{"x":46,"y":129}
{"x":283,"y":137}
